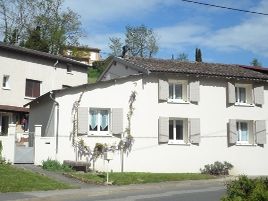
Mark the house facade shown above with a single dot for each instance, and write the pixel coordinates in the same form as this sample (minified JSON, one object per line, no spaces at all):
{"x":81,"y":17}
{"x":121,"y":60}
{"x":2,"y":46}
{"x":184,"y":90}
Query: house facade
{"x":26,"y":74}
{"x":86,"y":55}
{"x":186,"y":115}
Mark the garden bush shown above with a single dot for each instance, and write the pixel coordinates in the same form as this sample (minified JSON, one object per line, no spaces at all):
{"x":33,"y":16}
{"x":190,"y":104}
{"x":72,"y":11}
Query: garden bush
{"x":245,"y":189}
{"x":217,"y":168}
{"x":54,"y":165}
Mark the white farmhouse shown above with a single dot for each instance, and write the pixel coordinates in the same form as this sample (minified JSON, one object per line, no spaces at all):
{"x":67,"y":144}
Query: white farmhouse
{"x":186,"y":115}
{"x":26,"y":74}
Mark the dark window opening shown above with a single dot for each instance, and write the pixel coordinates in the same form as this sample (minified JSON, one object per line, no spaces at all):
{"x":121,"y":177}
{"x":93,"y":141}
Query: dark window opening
{"x":32,"y":88}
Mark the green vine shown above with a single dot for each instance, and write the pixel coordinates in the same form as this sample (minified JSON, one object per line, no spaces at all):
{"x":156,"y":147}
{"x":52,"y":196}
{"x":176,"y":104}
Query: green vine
{"x":125,"y":144}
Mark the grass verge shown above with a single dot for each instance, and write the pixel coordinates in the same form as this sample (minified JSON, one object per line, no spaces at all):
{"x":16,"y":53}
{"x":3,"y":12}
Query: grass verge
{"x":137,"y":177}
{"x":17,"y":180}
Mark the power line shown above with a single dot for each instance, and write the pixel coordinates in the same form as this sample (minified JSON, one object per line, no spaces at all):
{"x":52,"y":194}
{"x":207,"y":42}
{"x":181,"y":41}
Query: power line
{"x":224,"y":7}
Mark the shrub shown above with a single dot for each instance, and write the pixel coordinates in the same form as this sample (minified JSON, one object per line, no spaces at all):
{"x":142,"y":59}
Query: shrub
{"x":217,"y":168}
{"x":54,"y":165}
{"x":246,"y":189}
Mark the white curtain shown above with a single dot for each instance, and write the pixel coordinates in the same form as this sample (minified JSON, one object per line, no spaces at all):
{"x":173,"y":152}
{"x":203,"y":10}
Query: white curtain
{"x":103,"y":119}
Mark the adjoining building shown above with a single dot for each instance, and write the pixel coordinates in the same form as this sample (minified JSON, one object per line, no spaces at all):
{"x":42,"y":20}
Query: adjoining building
{"x":26,"y":74}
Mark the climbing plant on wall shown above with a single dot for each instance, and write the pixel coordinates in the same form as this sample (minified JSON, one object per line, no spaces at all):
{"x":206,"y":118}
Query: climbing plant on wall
{"x":125,"y":144}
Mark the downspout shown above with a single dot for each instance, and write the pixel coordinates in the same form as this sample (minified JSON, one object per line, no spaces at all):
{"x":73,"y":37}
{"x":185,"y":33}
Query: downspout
{"x":57,"y":125}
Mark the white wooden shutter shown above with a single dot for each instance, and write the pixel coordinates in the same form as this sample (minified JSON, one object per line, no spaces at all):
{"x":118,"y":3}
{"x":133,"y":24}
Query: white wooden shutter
{"x":163,"y":130}
{"x":117,"y":121}
{"x":83,"y":124}
{"x":232,"y":131}
{"x":260,"y":132}
{"x":194,"y":130}
{"x":163,"y":90}
{"x":258,"y":95}
{"x":231,"y":93}
{"x":194,"y":91}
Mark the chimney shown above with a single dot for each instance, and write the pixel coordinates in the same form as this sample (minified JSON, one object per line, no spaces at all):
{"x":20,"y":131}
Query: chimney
{"x":125,"y":52}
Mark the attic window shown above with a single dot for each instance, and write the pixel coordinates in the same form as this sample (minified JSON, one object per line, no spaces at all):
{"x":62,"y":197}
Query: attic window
{"x":69,"y":68}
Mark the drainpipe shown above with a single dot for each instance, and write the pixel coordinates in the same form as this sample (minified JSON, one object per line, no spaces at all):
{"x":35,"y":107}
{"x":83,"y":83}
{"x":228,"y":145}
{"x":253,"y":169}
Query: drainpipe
{"x":57,"y":125}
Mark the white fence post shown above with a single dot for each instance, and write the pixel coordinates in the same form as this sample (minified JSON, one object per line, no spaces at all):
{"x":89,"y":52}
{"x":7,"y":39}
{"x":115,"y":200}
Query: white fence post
{"x":12,"y":129}
{"x":37,"y":136}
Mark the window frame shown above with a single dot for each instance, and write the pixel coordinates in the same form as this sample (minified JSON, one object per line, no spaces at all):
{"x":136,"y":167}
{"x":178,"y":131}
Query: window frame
{"x":184,"y":91}
{"x":248,"y":94}
{"x":6,"y":82}
{"x":32,"y":88}
{"x":185,"y":130}
{"x":250,"y":132}
{"x":98,"y":132}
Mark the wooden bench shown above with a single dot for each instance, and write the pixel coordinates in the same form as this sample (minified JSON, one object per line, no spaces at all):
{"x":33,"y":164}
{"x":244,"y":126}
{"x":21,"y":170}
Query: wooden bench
{"x":77,"y":165}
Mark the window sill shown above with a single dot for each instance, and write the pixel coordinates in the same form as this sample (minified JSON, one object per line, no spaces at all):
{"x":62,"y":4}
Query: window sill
{"x":174,"y":101}
{"x":245,"y":144}
{"x":178,"y":143}
{"x":29,"y":98}
{"x":244,"y":104}
{"x":6,"y":88}
{"x":99,"y":135}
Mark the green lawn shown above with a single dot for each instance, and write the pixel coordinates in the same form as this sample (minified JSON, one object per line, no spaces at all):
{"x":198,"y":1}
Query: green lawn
{"x":15,"y":180}
{"x":137,"y":177}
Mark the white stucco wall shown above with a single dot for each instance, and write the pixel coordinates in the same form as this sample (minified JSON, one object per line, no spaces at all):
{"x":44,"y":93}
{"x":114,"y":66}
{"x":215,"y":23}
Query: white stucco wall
{"x":147,"y":155}
{"x":21,"y":67}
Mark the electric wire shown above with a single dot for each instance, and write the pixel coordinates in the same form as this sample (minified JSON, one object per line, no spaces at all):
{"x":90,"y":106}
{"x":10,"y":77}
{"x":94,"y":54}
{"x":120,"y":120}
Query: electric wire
{"x":225,"y":7}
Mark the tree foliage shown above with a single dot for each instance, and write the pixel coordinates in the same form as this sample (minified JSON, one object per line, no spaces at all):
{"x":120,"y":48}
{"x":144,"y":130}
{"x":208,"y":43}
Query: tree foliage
{"x":141,"y":40}
{"x":115,"y":46}
{"x":198,"y":55}
{"x":19,"y":20}
{"x":182,"y":57}
{"x":35,"y":41}
{"x":255,"y":62}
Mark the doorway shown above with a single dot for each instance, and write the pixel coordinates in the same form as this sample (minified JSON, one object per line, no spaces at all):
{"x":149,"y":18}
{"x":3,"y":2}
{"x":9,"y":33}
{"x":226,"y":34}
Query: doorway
{"x":4,"y":124}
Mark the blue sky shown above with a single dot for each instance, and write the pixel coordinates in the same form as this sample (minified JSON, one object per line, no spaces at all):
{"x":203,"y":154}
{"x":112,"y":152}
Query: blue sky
{"x":224,"y":36}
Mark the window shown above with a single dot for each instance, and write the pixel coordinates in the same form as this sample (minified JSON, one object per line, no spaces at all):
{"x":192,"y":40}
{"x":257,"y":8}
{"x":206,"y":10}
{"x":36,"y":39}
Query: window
{"x":243,"y":94}
{"x":242,"y":128}
{"x":177,"y":130}
{"x":32,"y":88}
{"x":177,"y":91}
{"x":5,"y":83}
{"x":99,"y":121}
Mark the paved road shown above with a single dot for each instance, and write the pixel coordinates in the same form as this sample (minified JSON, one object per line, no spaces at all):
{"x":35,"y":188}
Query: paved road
{"x":206,"y":190}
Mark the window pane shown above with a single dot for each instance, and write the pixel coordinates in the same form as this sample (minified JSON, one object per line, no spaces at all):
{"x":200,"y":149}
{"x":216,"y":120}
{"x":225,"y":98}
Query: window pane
{"x":171,"y":91}
{"x":36,"y":88}
{"x":28,"y":88}
{"x":242,"y":94}
{"x":178,"y":91}
{"x":104,"y":118}
{"x":179,"y":130}
{"x":244,"y":131}
{"x":171,"y":132}
{"x":93,"y":120}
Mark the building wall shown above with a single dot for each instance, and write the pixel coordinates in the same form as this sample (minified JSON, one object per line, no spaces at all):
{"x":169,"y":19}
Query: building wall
{"x":147,"y":154}
{"x":21,"y":67}
{"x":118,"y":70}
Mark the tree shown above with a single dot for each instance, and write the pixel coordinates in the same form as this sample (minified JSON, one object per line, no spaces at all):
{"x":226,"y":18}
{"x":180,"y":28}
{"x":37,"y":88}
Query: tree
{"x":198,"y":55}
{"x":255,"y":62}
{"x":58,"y":27}
{"x":141,"y":40}
{"x":116,"y":46}
{"x":36,"y":42}
{"x":182,"y":57}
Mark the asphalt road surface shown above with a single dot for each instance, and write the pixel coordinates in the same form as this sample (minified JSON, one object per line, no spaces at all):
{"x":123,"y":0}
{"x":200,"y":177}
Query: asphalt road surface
{"x":206,"y":190}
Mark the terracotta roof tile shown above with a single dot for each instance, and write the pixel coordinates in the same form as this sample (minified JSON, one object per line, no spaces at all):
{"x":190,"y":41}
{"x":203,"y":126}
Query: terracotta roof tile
{"x":201,"y":68}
